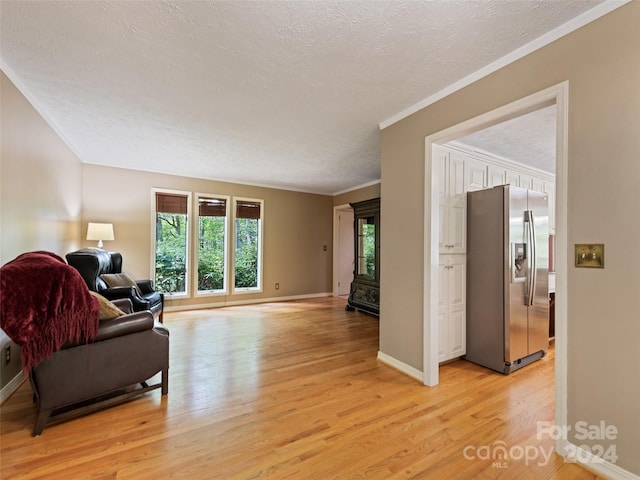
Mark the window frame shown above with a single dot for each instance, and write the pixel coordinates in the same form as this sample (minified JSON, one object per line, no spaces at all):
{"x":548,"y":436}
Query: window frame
{"x":188,"y":255}
{"x":232,"y":276}
{"x":196,"y":246}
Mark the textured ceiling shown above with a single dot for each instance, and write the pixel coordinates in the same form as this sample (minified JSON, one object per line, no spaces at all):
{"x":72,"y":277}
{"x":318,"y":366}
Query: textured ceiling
{"x":529,"y":139}
{"x":276,"y":93}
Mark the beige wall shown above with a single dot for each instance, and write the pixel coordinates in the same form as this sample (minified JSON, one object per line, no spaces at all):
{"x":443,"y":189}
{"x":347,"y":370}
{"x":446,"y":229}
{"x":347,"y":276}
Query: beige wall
{"x":297,"y":226}
{"x":40,"y":190}
{"x":602,"y":64}
{"x":359,"y":195}
{"x":41,"y":181}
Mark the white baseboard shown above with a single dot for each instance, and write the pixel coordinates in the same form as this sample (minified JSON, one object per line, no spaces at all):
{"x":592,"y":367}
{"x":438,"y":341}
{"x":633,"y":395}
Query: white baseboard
{"x":11,"y":387}
{"x":403,"y":367}
{"x":229,"y":303}
{"x":597,"y":464}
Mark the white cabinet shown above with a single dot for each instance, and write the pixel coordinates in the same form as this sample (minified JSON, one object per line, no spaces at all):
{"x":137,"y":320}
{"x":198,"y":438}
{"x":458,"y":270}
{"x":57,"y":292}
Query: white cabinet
{"x":496,"y":175}
{"x":526,"y":181}
{"x":513,"y":178}
{"x":537,"y":185}
{"x":482,"y":170}
{"x":458,"y":174}
{"x":475,"y":174}
{"x":450,"y":169}
{"x":452,"y":307}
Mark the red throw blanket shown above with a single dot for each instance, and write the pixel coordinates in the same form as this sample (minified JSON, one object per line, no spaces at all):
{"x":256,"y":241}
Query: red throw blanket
{"x":44,"y":303}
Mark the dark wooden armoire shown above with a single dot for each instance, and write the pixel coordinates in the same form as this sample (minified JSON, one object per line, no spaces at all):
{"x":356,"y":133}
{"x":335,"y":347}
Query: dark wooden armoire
{"x":365,"y":287}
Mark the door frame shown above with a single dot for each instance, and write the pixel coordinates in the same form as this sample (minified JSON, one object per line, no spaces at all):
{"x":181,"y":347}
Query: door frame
{"x":336,"y":244}
{"x":558,"y":95}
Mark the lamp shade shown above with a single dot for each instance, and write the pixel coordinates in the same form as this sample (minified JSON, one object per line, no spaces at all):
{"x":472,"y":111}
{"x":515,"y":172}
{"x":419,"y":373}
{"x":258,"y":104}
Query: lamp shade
{"x":100,"y":232}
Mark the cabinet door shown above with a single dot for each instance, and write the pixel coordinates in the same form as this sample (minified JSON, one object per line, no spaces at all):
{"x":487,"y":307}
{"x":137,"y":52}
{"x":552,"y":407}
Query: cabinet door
{"x":497,"y":176}
{"x":440,"y":164}
{"x":450,"y":168}
{"x":441,"y":171}
{"x":457,"y":180}
{"x":456,"y":228}
{"x":452,"y":307}
{"x":456,"y":218}
{"x":443,"y":225}
{"x":526,"y":181}
{"x":537,"y":185}
{"x":513,"y":178}
{"x":457,"y":307}
{"x":443,"y":312}
{"x":476,"y":175}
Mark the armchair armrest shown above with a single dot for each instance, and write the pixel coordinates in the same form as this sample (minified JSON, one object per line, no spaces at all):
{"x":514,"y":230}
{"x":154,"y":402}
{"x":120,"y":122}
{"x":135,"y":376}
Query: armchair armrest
{"x":113,"y":293}
{"x":124,"y":325}
{"x":145,"y":286}
{"x":130,"y":292}
{"x":119,"y":326}
{"x":123,"y":304}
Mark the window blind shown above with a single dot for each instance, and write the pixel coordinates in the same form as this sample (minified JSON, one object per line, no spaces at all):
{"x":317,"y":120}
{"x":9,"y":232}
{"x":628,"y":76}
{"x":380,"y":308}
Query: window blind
{"x":245,"y":209}
{"x":171,"y":203}
{"x":212,"y":207}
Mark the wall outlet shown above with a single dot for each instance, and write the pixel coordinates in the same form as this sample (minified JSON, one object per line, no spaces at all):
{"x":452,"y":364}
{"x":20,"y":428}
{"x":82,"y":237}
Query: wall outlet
{"x":277,"y":286}
{"x":7,"y":355}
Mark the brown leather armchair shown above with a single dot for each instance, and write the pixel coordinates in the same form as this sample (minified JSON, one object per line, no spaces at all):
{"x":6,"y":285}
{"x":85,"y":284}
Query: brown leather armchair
{"x":92,"y":263}
{"x":83,"y":377}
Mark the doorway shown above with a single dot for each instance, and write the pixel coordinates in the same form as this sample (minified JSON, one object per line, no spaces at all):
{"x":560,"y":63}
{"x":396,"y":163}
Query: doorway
{"x":558,"y":96}
{"x":343,"y":250}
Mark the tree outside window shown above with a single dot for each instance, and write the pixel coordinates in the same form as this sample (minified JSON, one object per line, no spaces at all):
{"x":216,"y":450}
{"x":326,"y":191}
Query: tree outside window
{"x":212,"y":227}
{"x":247,"y":244}
{"x":172,"y":233}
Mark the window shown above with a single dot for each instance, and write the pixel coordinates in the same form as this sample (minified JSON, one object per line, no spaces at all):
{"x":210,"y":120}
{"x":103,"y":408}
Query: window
{"x":171,"y":240}
{"x":366,"y":246}
{"x":212,"y":239}
{"x":193,"y":249}
{"x":248,"y":244}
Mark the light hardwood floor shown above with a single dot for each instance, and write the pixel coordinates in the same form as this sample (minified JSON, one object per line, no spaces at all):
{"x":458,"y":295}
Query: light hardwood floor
{"x":293,"y":390}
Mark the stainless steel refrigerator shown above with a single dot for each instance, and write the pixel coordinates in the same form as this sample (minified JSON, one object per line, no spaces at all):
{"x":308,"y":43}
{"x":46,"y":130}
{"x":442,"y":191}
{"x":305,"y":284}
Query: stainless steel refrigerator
{"x":507,"y":277}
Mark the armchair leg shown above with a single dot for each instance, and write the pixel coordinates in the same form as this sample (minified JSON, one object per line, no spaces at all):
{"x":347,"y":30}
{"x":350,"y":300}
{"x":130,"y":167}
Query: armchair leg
{"x":43,"y":416}
{"x":165,"y":381}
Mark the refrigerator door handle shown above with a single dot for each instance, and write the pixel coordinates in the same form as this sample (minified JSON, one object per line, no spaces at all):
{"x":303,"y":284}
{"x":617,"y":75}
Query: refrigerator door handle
{"x":533,"y":271}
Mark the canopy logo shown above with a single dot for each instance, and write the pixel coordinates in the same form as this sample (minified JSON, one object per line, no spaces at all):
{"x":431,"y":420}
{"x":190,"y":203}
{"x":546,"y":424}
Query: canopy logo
{"x":501,"y":454}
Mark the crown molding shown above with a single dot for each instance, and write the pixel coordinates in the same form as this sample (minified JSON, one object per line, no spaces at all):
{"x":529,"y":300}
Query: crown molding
{"x":580,"y":21}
